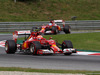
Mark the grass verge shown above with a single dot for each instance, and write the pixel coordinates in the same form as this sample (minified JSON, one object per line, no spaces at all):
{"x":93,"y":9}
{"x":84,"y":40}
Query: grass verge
{"x":47,"y":70}
{"x":84,"y":41}
{"x":35,"y":10}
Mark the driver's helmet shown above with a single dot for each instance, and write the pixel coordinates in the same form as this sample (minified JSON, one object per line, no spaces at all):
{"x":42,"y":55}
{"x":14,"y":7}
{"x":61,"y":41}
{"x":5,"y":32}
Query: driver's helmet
{"x":50,"y":24}
{"x":34,"y":29}
{"x":51,"y":21}
{"x":40,"y":37}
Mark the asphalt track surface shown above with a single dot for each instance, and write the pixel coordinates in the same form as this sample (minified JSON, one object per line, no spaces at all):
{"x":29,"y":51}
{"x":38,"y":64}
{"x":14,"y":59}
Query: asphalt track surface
{"x":73,"y":62}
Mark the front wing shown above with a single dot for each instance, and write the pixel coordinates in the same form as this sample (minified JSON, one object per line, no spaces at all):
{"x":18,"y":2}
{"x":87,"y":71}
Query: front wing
{"x":47,"y":51}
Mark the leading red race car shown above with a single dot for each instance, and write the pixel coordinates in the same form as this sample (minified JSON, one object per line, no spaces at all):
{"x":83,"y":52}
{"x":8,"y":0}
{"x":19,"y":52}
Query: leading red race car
{"x":36,"y":44}
{"x":54,"y":28}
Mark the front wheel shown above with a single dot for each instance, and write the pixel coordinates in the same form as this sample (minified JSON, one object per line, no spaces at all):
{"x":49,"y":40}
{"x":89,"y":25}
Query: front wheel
{"x":67,"y":44}
{"x":34,"y":46}
{"x":67,"y":29}
{"x":10,"y":47}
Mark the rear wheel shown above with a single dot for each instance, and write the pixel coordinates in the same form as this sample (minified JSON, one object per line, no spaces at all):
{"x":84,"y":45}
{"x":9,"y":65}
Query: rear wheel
{"x":54,"y":29}
{"x":67,"y":44}
{"x":34,"y":47}
{"x":66,"y":29}
{"x":10,"y":47}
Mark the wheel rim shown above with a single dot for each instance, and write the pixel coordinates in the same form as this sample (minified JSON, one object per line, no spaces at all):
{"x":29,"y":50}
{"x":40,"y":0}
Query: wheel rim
{"x":32,"y":48}
{"x":6,"y":46}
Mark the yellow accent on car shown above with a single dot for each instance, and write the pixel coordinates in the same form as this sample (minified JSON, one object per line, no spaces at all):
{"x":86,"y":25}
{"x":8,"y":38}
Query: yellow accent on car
{"x":59,"y":28}
{"x":54,"y":45}
{"x":25,"y":45}
{"x":42,"y":28}
{"x":28,"y":38}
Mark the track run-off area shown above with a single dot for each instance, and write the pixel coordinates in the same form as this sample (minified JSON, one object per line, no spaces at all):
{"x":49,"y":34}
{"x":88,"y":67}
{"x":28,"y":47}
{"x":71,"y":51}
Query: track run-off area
{"x":77,"y":61}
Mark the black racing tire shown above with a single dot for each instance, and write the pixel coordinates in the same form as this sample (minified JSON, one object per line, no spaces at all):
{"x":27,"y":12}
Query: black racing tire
{"x":54,"y":29}
{"x":66,"y":29}
{"x":67,"y":44}
{"x":67,"y":53}
{"x":34,"y":46}
{"x":10,"y":46}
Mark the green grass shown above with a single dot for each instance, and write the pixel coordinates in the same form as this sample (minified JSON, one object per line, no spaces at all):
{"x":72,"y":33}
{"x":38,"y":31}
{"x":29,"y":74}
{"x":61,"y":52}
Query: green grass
{"x":85,"y":41}
{"x":49,"y":9}
{"x":46,"y":70}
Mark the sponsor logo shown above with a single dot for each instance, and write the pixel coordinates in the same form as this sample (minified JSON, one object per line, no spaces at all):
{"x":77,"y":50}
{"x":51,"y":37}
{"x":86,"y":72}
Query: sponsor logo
{"x":23,"y":32}
{"x":2,"y":43}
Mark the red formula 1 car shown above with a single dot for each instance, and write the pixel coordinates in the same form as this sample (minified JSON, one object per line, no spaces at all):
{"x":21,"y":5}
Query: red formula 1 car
{"x":54,"y":28}
{"x":36,"y":44}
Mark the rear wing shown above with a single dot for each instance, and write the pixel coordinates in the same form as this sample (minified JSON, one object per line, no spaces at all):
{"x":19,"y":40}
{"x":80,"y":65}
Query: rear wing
{"x":59,"y":21}
{"x":24,"y":32}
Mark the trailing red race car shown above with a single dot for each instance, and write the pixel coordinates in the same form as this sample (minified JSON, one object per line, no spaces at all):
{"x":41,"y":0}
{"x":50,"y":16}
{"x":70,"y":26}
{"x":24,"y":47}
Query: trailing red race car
{"x":36,"y":44}
{"x":54,"y":28}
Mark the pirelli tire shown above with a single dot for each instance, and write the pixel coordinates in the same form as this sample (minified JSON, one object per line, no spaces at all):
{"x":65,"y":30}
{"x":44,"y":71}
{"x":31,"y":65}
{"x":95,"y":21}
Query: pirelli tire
{"x":10,"y":46}
{"x":67,"y":44}
{"x":34,"y":46}
{"x":67,"y":29}
{"x":54,"y":29}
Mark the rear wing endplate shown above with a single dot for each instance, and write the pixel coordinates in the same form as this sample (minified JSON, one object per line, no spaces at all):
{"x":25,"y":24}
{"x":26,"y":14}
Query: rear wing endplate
{"x":62,"y":21}
{"x":24,"y":32}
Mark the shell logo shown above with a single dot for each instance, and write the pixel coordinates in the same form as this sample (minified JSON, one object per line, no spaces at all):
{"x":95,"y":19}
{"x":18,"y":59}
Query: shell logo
{"x":53,"y":45}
